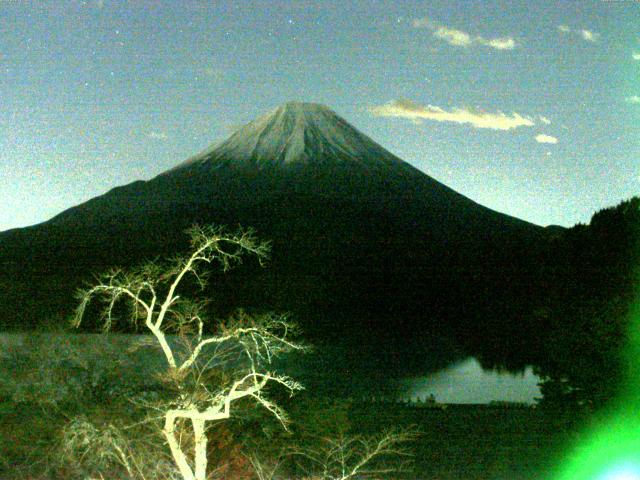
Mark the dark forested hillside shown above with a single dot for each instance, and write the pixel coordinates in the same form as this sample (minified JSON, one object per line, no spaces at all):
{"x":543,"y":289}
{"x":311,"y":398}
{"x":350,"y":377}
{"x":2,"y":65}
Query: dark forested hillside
{"x":591,"y":280}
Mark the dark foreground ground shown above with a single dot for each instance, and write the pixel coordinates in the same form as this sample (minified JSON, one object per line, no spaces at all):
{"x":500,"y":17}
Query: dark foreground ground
{"x":459,"y":442}
{"x":474,"y":442}
{"x":44,"y":384}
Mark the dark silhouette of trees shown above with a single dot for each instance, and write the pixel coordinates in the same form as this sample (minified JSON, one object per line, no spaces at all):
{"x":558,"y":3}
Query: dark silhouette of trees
{"x":591,"y":279}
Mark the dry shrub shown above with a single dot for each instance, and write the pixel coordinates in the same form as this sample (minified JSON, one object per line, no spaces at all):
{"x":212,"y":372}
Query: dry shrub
{"x":91,"y":449}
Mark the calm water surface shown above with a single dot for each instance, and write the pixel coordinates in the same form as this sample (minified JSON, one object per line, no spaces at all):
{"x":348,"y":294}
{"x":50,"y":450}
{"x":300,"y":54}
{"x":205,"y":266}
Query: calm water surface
{"x":467,"y":382}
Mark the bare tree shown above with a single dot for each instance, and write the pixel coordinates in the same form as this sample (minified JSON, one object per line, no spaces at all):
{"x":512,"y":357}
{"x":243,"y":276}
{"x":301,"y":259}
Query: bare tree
{"x":342,"y":457}
{"x":348,"y":457}
{"x":210,"y":373}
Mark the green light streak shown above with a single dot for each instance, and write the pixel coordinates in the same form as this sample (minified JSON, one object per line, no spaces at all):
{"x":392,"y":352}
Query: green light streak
{"x":611,"y":450}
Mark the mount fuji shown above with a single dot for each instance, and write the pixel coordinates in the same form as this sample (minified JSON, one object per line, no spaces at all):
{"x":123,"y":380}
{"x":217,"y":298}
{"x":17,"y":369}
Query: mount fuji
{"x":298,"y":133}
{"x":365,"y":247}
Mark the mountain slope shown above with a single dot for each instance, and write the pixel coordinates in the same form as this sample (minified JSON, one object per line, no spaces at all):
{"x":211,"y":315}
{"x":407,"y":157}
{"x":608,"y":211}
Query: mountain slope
{"x":366,"y":248}
{"x":297,"y":133}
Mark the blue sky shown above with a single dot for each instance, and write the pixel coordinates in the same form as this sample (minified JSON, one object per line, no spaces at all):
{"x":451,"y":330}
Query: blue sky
{"x":530,"y":108}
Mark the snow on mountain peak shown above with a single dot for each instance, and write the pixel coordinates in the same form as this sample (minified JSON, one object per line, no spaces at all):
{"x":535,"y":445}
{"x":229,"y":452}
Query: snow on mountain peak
{"x":297,"y":133}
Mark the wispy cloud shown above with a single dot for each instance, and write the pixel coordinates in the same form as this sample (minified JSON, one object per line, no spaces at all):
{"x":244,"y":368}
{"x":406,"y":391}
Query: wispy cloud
{"x":544,"y":120}
{"x":588,"y":35}
{"x":506,"y":43}
{"x":542,"y":138}
{"x":454,"y":37}
{"x":635,"y":55}
{"x":459,"y":38}
{"x":412,"y":111}
{"x":158,"y":135}
{"x":633,"y":99}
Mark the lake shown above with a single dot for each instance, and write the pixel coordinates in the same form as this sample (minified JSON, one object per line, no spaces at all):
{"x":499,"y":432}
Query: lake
{"x":467,"y":382}
{"x":462,"y":382}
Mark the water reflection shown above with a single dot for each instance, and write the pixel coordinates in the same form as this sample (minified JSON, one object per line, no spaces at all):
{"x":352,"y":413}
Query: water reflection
{"x":467,"y":382}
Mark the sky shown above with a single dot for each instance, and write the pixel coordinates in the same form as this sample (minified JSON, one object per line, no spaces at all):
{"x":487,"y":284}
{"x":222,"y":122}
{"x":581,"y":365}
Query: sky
{"x":531,"y":108}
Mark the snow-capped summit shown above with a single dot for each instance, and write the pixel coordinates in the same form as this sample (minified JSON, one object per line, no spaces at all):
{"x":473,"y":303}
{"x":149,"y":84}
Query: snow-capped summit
{"x":296,"y":133}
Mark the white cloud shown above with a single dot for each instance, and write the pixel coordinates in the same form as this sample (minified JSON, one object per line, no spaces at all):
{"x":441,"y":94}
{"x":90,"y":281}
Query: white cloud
{"x":414,"y":112}
{"x":589,"y":36}
{"x":633,"y":99}
{"x":635,"y":55}
{"x":544,"y":120}
{"x":542,"y":138}
{"x":459,"y":38}
{"x":506,"y":43}
{"x":454,"y":37}
{"x":158,"y":135}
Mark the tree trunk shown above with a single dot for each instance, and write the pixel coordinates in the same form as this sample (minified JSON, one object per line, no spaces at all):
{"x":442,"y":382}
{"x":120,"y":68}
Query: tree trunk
{"x":200,"y":456}
{"x":178,"y":455}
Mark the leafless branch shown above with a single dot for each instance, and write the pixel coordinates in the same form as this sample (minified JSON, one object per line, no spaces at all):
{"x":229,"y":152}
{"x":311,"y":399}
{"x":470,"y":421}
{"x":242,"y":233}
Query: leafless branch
{"x":349,"y":457}
{"x":202,"y":394}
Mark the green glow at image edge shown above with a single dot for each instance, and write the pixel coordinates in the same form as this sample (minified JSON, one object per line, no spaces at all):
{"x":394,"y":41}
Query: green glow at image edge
{"x":611,"y":450}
